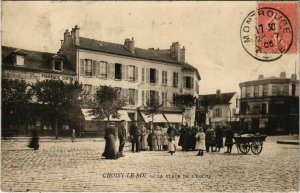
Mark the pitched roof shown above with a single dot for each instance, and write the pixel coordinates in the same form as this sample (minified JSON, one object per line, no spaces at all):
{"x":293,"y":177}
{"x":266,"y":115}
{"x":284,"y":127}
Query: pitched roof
{"x":34,"y":61}
{"x":212,"y":99}
{"x":119,"y":49}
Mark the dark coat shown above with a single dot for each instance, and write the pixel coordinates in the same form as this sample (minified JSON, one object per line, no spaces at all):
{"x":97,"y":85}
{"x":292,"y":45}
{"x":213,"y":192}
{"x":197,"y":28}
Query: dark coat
{"x":34,"y":143}
{"x":229,"y":138}
{"x":183,"y":139}
{"x":210,"y":137}
{"x":219,"y":137}
{"x":110,"y":151}
{"x":171,"y":132}
{"x":134,"y":131}
{"x":122,"y":132}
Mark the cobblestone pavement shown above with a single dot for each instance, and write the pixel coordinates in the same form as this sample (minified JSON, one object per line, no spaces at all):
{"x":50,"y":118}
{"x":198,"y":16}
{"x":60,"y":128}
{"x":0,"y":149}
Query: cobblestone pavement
{"x":66,"y":166}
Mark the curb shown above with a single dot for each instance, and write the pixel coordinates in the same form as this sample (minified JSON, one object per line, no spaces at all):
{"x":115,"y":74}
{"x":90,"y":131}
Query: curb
{"x":288,"y":142}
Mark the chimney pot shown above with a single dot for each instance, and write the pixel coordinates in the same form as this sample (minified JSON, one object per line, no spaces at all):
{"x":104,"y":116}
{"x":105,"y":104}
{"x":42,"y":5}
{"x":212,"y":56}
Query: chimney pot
{"x":294,"y":77}
{"x":218,"y":92}
{"x":261,"y":76}
{"x":282,"y":75}
{"x":129,"y":44}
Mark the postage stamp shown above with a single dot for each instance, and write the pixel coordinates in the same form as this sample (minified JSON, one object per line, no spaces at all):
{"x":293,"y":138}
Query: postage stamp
{"x":270,"y":31}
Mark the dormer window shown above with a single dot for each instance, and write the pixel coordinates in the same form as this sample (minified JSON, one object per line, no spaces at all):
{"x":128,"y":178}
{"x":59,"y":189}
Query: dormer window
{"x":58,"y":65}
{"x":19,"y":60}
{"x":19,"y":57}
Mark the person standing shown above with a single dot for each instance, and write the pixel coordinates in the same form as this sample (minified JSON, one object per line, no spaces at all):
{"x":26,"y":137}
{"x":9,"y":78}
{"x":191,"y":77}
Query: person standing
{"x":209,"y":139}
{"x":110,"y":150}
{"x":35,"y":139}
{"x":183,"y":138}
{"x":122,"y":137}
{"x":229,"y":139}
{"x":73,"y":135}
{"x":143,"y":137}
{"x":200,"y":141}
{"x":219,"y":137}
{"x":171,"y":131}
{"x":165,"y":138}
{"x":159,"y":138}
{"x":135,"y":136}
{"x":155,"y":139}
{"x":171,"y":146}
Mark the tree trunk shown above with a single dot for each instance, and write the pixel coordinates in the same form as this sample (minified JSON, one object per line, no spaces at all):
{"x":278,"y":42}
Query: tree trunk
{"x":56,"y":129}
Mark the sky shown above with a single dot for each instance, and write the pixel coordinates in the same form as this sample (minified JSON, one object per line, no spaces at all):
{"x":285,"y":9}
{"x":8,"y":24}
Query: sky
{"x":209,"y":31}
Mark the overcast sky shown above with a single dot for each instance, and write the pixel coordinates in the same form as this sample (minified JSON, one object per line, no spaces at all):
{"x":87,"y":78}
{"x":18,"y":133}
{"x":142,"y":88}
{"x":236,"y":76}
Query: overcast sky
{"x":208,"y":30}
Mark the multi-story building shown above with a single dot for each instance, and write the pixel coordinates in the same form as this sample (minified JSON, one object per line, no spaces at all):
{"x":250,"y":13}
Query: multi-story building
{"x":139,"y":73}
{"x":33,"y":66}
{"x":270,"y":105}
{"x":219,"y":108}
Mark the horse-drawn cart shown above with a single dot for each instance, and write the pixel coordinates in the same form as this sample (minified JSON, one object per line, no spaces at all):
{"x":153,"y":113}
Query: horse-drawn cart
{"x":248,"y":141}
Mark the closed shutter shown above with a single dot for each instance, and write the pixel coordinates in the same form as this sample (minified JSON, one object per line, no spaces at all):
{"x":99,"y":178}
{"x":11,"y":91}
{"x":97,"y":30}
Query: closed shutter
{"x":184,"y":82}
{"x":112,"y":70}
{"x":157,"y":95}
{"x":94,"y":68}
{"x":143,"y":98}
{"x":148,"y":75}
{"x":192,"y":82}
{"x":108,"y":69}
{"x":136,"y":73}
{"x":126,"y":72}
{"x":157,"y":76}
{"x":136,"y":94}
{"x":123,"y":72}
{"x":147,"y":95}
{"x":143,"y":75}
{"x":82,"y":70}
{"x":126,"y":95}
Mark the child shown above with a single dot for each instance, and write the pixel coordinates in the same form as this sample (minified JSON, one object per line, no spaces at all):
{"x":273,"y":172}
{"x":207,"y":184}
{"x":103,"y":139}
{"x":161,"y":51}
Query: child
{"x":171,"y":146}
{"x":200,"y":141}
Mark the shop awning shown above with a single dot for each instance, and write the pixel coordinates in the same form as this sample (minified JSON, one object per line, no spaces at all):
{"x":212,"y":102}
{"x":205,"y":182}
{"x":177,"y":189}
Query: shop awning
{"x":89,"y":117}
{"x":174,"y":118}
{"x":157,"y":118}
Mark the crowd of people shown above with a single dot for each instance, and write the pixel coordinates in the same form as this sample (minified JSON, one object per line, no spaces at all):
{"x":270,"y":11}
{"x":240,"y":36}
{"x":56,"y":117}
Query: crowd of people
{"x":162,"y":138}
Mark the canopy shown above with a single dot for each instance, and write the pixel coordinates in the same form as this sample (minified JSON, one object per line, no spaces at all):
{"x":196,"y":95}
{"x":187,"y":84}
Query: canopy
{"x":88,"y":117}
{"x":157,"y":118}
{"x":174,"y":118}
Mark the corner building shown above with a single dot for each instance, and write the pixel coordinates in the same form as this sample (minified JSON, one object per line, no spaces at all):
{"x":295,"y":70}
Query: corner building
{"x":139,"y":73}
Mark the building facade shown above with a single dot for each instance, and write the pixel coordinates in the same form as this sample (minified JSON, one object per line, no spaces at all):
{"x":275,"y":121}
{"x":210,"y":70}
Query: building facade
{"x":270,"y":105}
{"x":33,"y":66}
{"x":138,"y":73}
{"x":219,"y":108}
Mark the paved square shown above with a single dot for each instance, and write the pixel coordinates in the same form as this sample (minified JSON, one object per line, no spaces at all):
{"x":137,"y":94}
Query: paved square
{"x":66,"y":166}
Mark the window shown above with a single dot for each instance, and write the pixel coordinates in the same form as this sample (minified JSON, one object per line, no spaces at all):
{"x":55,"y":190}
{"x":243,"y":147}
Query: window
{"x":264,"y":108}
{"x":88,"y":71}
{"x":58,"y":65}
{"x":118,"y":71}
{"x":265,"y":90}
{"x":188,"y":82}
{"x":143,"y":97}
{"x":248,"y":91}
{"x":19,"y":60}
{"x":131,"y":73}
{"x":256,"y":91}
{"x":263,"y":123}
{"x":293,"y":89}
{"x":164,"y":79}
{"x":275,"y":89}
{"x":131,"y":97}
{"x":175,"y":79}
{"x":103,"y":70}
{"x":217,"y":113}
{"x":164,"y":98}
{"x":152,"y":75}
{"x":143,"y":75}
{"x":285,"y":89}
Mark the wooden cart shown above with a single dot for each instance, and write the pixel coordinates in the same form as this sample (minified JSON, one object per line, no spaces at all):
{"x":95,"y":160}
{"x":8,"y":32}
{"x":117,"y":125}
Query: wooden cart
{"x":246,"y":142}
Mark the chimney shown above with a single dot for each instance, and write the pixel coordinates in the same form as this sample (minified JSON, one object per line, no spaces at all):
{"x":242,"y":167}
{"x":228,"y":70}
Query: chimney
{"x":66,"y":34}
{"x":76,"y":35}
{"x":260,"y":77}
{"x":282,"y":75}
{"x":182,"y":54}
{"x":175,"y":51}
{"x":129,"y":44}
{"x":294,"y":77}
{"x":218,"y":93}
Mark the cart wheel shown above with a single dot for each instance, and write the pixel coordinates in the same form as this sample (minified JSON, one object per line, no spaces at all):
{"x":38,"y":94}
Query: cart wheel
{"x":244,"y":148}
{"x":256,"y":147}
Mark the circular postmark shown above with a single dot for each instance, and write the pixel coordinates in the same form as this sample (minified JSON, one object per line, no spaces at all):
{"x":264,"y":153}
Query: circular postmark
{"x":266,"y":34}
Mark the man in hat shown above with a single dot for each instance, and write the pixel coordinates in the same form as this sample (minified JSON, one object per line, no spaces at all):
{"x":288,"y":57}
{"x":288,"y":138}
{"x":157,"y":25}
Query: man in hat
{"x":122,"y":137}
{"x":135,"y":134}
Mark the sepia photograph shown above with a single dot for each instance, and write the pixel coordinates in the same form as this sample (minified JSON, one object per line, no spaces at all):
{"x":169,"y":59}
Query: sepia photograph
{"x":150,"y":96}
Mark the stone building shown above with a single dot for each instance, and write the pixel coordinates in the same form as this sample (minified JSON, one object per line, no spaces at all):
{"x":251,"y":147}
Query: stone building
{"x":270,"y":105}
{"x":219,"y":108}
{"x":139,"y":73}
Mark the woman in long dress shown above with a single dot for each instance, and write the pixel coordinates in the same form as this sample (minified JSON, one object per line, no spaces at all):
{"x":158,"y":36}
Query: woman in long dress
{"x":200,"y":141}
{"x":110,"y":151}
{"x":144,"y":136}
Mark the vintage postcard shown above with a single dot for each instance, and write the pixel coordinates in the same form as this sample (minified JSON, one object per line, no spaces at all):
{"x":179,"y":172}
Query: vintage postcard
{"x":158,"y":96}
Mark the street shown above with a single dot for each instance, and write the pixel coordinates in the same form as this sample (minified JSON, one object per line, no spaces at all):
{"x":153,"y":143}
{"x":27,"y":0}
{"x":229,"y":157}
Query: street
{"x":64,"y":166}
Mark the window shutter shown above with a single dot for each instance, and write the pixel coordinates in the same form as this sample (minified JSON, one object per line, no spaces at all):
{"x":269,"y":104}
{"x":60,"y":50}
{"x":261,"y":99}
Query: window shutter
{"x":157,"y":76}
{"x":157,"y":96}
{"x":192,"y":81}
{"x":123,"y":72}
{"x":108,"y":69}
{"x":184,"y":82}
{"x":148,"y":75}
{"x":82,"y":67}
{"x":136,"y":94}
{"x":112,"y":70}
{"x":143,"y":75}
{"x":94,"y":68}
{"x":147,"y":95}
{"x":122,"y":93}
{"x":126,"y":95}
{"x":136,"y":73}
{"x":126,"y":72}
{"x":62,"y":65}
